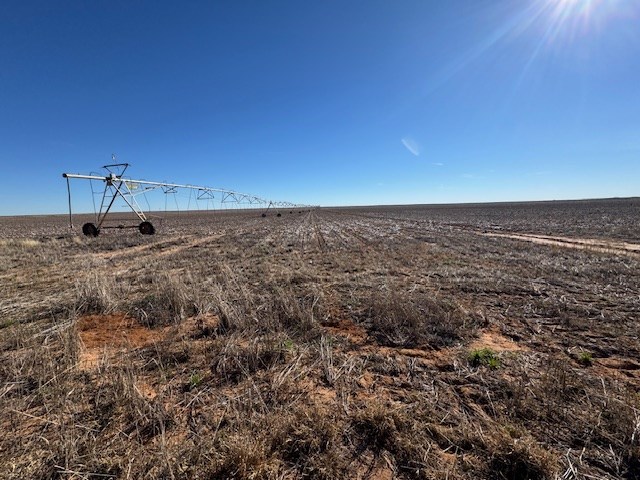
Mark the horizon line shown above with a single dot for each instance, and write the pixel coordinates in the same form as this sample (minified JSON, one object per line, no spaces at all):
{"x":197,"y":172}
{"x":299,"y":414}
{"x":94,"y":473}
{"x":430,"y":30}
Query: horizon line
{"x":444,"y":204}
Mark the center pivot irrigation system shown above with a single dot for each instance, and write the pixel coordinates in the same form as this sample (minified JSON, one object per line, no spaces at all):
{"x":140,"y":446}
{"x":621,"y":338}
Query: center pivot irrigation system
{"x":118,"y":186}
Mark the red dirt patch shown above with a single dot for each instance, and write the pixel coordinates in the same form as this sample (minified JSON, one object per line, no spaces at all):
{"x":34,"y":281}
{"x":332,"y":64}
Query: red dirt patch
{"x":496,"y":341}
{"x":620,"y":368}
{"x":103,"y":335}
{"x":356,"y":334}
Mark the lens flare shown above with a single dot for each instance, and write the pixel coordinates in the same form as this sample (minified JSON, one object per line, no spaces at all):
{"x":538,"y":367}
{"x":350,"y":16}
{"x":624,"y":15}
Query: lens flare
{"x":572,"y":19}
{"x":559,"y":27}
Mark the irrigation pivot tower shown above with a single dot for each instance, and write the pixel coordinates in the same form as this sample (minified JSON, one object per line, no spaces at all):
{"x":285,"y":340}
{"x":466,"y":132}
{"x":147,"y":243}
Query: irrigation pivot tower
{"x":117,"y":186}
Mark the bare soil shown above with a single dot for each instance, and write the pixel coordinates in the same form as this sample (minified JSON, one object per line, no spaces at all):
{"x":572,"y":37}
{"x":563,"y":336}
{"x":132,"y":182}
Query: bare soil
{"x":477,"y":341}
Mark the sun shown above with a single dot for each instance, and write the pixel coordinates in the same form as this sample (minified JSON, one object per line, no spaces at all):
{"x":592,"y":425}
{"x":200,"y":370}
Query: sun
{"x":567,"y":9}
{"x":568,"y":20}
{"x":586,"y":13}
{"x":582,"y":7}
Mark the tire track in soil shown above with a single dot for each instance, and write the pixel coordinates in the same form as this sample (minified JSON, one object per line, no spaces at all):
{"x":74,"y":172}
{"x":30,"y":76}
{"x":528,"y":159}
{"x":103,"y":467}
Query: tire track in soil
{"x":160,"y":248}
{"x":334,"y":230}
{"x":322,"y":244}
{"x":134,"y":250}
{"x":302,"y":231}
{"x":601,"y":246}
{"x":342,"y":232}
{"x":197,"y":242}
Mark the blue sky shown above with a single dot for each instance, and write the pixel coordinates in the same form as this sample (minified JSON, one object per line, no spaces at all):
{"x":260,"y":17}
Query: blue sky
{"x":332,"y":102}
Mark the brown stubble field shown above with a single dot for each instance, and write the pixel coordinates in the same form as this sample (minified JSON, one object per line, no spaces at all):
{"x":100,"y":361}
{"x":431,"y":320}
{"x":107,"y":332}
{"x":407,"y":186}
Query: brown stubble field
{"x":476,"y":341}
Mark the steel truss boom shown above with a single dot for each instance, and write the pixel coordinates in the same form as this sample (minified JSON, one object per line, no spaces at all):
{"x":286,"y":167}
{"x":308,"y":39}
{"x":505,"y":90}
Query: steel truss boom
{"x":116,"y":185}
{"x":115,"y":178}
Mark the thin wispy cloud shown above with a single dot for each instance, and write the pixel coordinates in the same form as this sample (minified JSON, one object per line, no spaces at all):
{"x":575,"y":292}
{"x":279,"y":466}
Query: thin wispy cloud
{"x":411,"y":145}
{"x":438,"y":164}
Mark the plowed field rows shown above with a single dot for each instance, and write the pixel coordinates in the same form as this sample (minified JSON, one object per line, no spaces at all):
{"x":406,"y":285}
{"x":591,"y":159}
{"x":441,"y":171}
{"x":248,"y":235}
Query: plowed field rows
{"x":478,"y":341}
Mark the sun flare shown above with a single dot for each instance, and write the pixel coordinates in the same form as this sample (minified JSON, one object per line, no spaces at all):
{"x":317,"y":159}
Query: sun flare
{"x":585,"y":14}
{"x":570,"y":20}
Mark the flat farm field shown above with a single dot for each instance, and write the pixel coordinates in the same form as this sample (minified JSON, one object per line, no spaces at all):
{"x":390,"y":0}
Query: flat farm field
{"x":438,"y":342}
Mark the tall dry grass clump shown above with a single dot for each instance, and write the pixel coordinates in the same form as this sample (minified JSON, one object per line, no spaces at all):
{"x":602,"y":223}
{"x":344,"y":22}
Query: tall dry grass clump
{"x":396,"y":318}
{"x":98,"y":293}
{"x":171,"y":298}
{"x":300,"y":315}
{"x":274,"y":309}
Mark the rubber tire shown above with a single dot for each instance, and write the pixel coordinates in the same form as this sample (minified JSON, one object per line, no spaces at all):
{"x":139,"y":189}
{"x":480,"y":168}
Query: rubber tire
{"x":264,"y":215}
{"x":90,"y":230}
{"x":146,"y":228}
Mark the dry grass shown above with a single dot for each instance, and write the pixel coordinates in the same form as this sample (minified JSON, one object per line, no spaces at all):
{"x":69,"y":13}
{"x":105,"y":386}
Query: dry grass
{"x":398,"y":319}
{"x":333,"y":344}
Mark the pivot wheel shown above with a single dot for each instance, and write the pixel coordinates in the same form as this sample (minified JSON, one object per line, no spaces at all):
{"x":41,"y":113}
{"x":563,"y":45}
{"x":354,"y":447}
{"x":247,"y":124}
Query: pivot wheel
{"x":279,"y":215}
{"x":90,"y":230}
{"x":264,"y":215}
{"x":146,"y":228}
